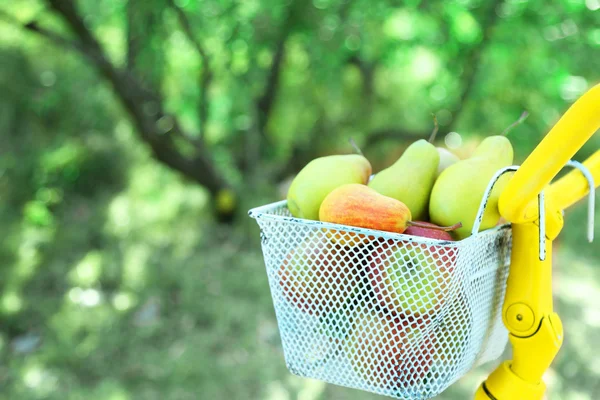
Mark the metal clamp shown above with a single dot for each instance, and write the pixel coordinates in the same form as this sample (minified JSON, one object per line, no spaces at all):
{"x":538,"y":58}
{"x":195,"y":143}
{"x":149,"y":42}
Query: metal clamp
{"x":541,"y":204}
{"x":484,"y":201}
{"x":591,"y":197}
{"x":486,"y":196}
{"x":542,"y":216}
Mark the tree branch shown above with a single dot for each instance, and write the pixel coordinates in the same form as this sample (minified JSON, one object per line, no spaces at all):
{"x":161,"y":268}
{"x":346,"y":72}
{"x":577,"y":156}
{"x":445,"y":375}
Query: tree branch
{"x":345,"y":8}
{"x":137,"y":100}
{"x":188,"y":31}
{"x":472,"y":62}
{"x":264,"y":104}
{"x":302,"y":153}
{"x":132,"y":39}
{"x":367,"y":70}
{"x":206,"y":75}
{"x":266,"y":101}
{"x":145,"y":52}
{"x":69,"y":12}
{"x":35,"y":28}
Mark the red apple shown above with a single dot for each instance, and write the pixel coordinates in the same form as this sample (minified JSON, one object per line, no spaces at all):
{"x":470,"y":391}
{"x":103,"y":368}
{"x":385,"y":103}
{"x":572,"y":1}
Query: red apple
{"x":410,"y":277}
{"x":390,"y":352}
{"x":319,"y":275}
{"x":428,"y":233}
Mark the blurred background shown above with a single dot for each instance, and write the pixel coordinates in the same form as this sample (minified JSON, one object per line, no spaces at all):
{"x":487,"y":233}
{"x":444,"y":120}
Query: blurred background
{"x":135,"y":135}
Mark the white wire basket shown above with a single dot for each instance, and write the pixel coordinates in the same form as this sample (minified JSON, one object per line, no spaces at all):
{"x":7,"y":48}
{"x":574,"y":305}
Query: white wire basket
{"x":393,"y":314}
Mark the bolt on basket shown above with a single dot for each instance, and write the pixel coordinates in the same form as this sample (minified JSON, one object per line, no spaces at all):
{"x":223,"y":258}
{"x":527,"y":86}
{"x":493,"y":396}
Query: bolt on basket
{"x":398,"y":315}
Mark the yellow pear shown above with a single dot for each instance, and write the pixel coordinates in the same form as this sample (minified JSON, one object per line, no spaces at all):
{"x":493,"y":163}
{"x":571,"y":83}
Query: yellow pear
{"x":320,"y":177}
{"x":447,"y":158}
{"x":411,"y":178}
{"x":458,"y":191}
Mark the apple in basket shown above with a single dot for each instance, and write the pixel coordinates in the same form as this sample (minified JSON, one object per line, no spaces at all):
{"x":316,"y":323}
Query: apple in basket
{"x":454,"y":332}
{"x":391,"y":351}
{"x":319,"y":276}
{"x":411,"y":277}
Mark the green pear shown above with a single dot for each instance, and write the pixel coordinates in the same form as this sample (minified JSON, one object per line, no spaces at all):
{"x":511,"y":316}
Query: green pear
{"x":458,"y":191}
{"x":321,"y":176}
{"x":447,"y":158}
{"x":411,"y":178}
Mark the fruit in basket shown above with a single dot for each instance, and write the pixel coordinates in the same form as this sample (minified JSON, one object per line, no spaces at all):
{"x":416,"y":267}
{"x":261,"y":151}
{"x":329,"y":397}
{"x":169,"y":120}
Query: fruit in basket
{"x":363,"y":207}
{"x":447,"y":158}
{"x":411,"y":178}
{"x":411,"y":278}
{"x":319,"y":276}
{"x":390,"y":352}
{"x":336,"y":325}
{"x":445,"y":256}
{"x":429,"y":230}
{"x":319,"y":177}
{"x":454,"y":331}
{"x":458,"y":191}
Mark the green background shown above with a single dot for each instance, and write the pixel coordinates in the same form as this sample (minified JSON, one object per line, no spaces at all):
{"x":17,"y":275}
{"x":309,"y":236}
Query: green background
{"x":136,"y":134}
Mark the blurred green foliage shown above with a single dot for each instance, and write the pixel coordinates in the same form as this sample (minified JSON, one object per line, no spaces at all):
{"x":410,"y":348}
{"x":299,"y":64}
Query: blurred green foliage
{"x":117,"y":281}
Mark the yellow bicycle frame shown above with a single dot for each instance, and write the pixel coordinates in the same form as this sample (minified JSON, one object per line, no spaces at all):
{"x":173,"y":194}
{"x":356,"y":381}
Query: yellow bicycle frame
{"x":535,"y":330}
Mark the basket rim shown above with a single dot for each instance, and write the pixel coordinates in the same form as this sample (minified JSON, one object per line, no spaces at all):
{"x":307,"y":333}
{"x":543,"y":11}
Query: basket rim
{"x":262,"y":213}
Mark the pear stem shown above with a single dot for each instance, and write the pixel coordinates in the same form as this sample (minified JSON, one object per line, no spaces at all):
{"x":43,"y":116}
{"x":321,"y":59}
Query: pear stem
{"x":518,"y":122}
{"x":438,"y":228}
{"x":355,"y":147}
{"x":436,"y":128}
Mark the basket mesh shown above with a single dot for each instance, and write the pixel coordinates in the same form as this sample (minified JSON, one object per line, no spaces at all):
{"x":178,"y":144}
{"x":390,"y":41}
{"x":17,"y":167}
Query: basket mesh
{"x":391,"y":314}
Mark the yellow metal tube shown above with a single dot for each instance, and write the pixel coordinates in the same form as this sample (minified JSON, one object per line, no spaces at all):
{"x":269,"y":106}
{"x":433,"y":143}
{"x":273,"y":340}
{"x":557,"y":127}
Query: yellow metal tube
{"x":529,"y":286}
{"x":536,"y":332}
{"x":571,"y":132}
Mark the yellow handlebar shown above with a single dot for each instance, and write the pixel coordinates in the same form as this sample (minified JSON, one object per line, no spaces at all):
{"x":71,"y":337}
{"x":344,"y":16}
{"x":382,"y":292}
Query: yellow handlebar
{"x":570,"y":133}
{"x":535,"y":330}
